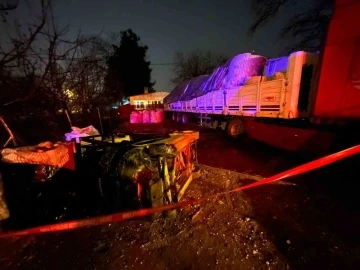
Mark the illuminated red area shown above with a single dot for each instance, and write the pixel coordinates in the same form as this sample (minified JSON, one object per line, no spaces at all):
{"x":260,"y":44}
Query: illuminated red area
{"x":290,"y":139}
{"x":143,"y":176}
{"x":125,"y":111}
{"x":339,"y":85}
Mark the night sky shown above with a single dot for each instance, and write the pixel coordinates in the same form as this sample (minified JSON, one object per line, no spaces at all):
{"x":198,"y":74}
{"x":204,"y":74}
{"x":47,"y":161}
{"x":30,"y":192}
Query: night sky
{"x":169,"y":26}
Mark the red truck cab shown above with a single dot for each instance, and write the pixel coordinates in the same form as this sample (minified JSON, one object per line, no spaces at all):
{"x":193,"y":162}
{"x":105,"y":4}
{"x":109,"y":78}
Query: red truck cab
{"x":338,"y":93}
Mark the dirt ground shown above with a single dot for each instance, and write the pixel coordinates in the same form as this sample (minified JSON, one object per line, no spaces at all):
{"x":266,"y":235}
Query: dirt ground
{"x":308,"y":222}
{"x":220,"y":233}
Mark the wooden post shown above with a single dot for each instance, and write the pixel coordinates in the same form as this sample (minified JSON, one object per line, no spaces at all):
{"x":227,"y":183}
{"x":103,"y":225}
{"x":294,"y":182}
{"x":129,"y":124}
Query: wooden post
{"x":102,"y":131}
{"x":68,"y":118}
{"x":12,"y":137}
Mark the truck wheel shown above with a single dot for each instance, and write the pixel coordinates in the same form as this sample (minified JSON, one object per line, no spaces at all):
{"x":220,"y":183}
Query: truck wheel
{"x":235,"y":128}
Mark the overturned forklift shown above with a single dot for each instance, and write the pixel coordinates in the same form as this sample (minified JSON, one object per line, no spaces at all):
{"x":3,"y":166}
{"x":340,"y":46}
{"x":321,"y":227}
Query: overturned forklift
{"x":94,"y":175}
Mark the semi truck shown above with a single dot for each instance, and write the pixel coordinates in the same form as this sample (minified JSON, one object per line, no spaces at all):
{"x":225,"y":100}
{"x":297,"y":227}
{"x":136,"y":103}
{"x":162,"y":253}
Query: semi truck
{"x":306,"y":101}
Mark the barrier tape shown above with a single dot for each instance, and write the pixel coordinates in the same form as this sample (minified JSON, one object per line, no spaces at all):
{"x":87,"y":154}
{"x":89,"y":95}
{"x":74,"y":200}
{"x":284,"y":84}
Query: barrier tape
{"x":112,"y":218}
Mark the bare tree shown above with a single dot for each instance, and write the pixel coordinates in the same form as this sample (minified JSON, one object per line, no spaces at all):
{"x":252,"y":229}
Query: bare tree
{"x":194,"y":64}
{"x":41,"y":54}
{"x":85,"y":80}
{"x":55,"y":64}
{"x":16,"y":70}
{"x":19,"y":41}
{"x":309,"y":26}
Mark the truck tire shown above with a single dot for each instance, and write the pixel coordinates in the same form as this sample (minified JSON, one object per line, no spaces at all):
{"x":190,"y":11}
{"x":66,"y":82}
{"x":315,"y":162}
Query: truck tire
{"x":235,"y":128}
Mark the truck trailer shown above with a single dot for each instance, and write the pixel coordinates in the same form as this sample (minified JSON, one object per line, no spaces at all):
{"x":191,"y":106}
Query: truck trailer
{"x":303,"y":102}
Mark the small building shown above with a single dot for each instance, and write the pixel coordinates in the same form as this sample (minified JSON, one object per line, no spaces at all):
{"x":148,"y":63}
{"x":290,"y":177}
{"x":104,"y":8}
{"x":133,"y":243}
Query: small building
{"x":148,"y":100}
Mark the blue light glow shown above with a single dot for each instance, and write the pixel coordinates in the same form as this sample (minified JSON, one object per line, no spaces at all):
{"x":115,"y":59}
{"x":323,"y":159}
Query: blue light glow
{"x":276,"y":65}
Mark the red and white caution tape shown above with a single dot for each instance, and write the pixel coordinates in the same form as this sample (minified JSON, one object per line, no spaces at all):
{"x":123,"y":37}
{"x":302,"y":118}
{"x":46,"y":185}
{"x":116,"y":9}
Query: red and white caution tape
{"x":70,"y":225}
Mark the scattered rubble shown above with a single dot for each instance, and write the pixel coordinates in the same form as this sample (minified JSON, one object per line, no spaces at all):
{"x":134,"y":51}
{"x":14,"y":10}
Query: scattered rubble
{"x":202,"y":236}
{"x":256,"y":229}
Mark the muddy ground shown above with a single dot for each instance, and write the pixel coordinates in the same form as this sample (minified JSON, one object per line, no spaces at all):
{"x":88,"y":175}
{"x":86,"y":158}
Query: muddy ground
{"x":308,"y":222}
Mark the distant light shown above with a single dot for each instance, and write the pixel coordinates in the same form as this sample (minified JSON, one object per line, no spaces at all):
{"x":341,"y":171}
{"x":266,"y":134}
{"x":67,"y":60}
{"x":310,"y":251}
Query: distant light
{"x":69,"y":93}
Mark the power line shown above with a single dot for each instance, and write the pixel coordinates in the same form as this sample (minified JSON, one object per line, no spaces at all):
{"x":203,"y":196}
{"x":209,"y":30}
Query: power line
{"x":89,"y":59}
{"x":163,"y":64}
